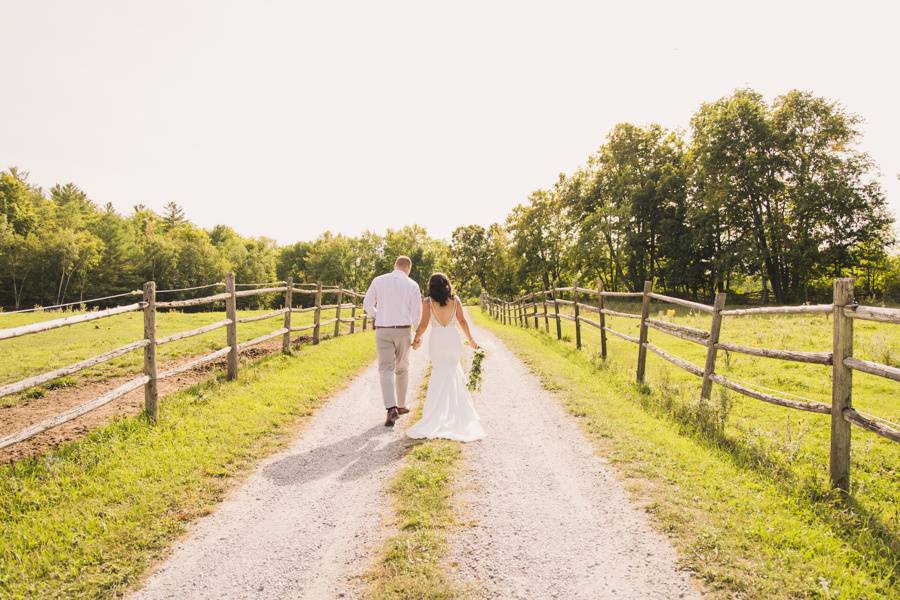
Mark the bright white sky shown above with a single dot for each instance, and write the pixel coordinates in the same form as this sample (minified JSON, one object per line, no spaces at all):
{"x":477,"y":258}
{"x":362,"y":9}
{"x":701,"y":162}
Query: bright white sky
{"x":288,"y":118}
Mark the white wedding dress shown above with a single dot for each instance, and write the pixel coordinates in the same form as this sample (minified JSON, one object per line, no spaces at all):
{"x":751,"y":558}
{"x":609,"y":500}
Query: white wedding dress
{"x":448,"y":411}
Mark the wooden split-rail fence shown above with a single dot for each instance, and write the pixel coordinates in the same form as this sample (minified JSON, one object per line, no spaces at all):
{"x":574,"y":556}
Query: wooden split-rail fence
{"x":150,"y":342}
{"x":537,"y":306}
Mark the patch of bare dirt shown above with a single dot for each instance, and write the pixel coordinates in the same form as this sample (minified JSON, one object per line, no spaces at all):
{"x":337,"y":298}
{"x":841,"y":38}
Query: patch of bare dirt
{"x":18,"y":417}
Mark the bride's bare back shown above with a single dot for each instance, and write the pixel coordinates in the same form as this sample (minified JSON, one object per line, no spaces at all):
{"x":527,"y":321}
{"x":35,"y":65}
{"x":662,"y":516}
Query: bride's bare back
{"x":444,"y":315}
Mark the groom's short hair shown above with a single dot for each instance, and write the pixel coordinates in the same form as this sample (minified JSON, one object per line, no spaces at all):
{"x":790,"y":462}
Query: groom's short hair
{"x":403,"y":262}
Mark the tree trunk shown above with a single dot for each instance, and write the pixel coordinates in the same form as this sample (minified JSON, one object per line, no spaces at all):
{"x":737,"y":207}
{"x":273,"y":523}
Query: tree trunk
{"x":771,"y":267}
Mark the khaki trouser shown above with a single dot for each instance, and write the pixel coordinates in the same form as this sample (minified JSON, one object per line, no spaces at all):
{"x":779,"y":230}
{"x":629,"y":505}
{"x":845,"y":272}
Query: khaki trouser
{"x":393,"y":364}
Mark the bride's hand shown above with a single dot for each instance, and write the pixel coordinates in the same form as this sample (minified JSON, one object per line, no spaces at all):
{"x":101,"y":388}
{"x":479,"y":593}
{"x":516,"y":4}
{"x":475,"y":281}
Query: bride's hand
{"x":416,"y":343}
{"x":474,"y":344}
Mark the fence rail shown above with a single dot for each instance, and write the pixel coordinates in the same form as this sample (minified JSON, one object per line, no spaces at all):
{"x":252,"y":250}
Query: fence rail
{"x":6,"y":334}
{"x":844,"y":310}
{"x":150,"y":342}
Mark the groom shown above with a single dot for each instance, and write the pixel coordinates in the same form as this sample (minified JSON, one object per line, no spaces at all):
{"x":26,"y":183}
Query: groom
{"x":394,"y":302}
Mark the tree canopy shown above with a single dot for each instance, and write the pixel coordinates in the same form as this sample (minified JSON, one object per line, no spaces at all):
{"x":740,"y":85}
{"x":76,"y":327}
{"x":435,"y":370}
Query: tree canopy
{"x":755,"y":196}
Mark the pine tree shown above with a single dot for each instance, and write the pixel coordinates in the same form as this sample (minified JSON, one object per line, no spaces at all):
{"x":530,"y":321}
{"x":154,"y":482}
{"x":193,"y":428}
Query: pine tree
{"x":173,"y":216}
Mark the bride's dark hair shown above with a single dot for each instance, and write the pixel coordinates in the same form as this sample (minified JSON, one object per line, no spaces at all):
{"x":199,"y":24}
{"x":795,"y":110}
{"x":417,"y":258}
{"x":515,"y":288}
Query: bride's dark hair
{"x":439,"y":289}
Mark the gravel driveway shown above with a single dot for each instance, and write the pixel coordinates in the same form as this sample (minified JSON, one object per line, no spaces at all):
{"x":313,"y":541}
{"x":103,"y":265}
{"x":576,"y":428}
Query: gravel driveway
{"x":308,"y":522}
{"x":548,"y":517}
{"x":544,"y":515}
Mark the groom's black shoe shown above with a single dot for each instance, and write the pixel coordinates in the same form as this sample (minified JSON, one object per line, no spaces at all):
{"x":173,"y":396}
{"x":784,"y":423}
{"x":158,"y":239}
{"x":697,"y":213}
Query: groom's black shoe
{"x":392,"y":415}
{"x":402,"y":410}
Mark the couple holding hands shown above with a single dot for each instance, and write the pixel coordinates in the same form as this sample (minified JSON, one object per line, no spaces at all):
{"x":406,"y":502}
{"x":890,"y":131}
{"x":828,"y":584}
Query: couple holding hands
{"x":395,"y":304}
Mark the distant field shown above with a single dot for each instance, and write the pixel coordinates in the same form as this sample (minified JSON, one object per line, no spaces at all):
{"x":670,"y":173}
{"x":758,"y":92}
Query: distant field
{"x":798,"y":440}
{"x":32,"y":354}
{"x":872,"y":341}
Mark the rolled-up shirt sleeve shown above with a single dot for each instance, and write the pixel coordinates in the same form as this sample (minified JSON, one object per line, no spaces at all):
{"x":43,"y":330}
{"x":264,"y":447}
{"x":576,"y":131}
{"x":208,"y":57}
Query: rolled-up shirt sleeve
{"x":370,"y":300}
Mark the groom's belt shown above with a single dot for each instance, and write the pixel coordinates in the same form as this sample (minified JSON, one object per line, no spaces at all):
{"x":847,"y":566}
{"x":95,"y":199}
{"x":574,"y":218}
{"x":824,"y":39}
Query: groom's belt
{"x":393,"y":326}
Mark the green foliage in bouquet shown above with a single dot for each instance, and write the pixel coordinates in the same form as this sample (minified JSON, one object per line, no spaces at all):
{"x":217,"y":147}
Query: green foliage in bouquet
{"x":475,"y":373}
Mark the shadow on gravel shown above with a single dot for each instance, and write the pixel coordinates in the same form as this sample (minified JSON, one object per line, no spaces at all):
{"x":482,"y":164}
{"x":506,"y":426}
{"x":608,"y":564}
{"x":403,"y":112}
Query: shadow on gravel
{"x":356,"y":456}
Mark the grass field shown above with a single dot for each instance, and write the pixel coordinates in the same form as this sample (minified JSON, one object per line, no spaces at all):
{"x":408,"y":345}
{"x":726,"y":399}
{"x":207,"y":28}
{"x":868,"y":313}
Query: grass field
{"x":86,"y":520}
{"x":798,"y":439}
{"x":740,"y":485}
{"x":410,"y":566}
{"x":32,"y":354}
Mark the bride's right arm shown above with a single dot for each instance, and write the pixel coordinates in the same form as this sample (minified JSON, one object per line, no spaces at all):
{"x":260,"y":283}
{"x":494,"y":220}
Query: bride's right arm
{"x":464,"y":324}
{"x":423,"y":323}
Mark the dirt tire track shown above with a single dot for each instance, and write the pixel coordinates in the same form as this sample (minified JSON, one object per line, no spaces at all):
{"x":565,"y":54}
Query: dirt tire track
{"x":547,"y":517}
{"x":310,"y":520}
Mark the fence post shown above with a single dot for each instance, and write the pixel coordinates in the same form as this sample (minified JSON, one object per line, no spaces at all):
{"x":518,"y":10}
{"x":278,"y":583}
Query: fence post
{"x":577,"y":320}
{"x":714,"y":329}
{"x":231,"y":330}
{"x":365,"y":318}
{"x":642,"y":349}
{"x":841,"y":386}
{"x":602,"y":321}
{"x":535,"y":311}
{"x":546,"y":316}
{"x":317,"y":314}
{"x":523,"y":320}
{"x":337,"y":312}
{"x":151,"y":390}
{"x":288,"y":299}
{"x":556,"y":310}
{"x":353,"y":317}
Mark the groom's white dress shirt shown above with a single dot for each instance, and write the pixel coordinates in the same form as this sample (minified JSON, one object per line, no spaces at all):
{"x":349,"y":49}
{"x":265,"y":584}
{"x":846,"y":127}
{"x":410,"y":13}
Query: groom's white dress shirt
{"x":393,"y":299}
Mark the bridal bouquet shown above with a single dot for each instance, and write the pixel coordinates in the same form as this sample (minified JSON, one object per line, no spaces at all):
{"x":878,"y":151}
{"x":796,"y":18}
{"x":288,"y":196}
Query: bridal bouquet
{"x":475,"y":373}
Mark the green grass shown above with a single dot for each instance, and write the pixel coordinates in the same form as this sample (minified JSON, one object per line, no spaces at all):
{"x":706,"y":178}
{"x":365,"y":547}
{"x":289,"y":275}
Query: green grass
{"x":797,"y":440}
{"x":410,"y":567}
{"x":741,"y":486}
{"x":88,"y":519}
{"x":42,"y":352}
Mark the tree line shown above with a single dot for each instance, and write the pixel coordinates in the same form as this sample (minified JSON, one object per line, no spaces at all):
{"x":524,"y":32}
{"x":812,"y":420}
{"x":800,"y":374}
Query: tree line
{"x":765,"y":200}
{"x":58,"y":246}
{"x":759,"y":199}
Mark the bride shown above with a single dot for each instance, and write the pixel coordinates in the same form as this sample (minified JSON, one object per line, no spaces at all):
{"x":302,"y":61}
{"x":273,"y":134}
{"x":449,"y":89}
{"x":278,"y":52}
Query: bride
{"x":448,"y":411}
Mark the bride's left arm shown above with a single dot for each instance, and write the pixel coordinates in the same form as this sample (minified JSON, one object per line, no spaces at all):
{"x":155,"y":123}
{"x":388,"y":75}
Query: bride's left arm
{"x":464,"y":324}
